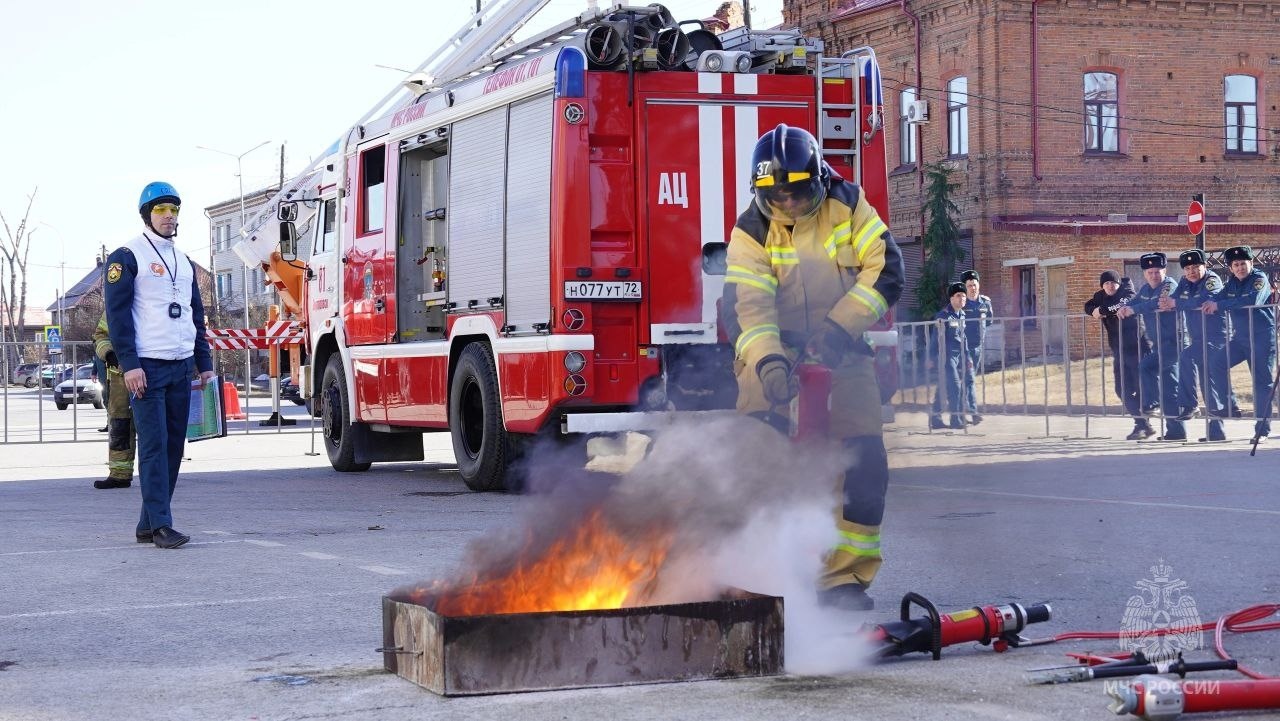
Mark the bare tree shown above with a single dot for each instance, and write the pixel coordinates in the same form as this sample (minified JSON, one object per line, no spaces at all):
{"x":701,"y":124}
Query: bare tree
{"x":82,"y":319}
{"x":15,"y":246}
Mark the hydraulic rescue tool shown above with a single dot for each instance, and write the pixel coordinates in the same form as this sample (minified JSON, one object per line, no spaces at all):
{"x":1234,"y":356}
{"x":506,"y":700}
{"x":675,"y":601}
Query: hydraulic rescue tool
{"x":1158,"y":698}
{"x":998,"y":626}
{"x":1135,"y":665}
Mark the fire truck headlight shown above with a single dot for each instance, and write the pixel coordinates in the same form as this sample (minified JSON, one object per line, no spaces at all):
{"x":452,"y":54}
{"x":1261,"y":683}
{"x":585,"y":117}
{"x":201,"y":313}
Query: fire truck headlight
{"x":714,"y":62}
{"x":743,"y":63}
{"x":574,"y":361}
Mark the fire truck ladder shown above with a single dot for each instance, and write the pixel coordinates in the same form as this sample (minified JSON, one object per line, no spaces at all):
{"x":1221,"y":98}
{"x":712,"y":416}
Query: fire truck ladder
{"x":839,"y":123}
{"x":487,"y":30}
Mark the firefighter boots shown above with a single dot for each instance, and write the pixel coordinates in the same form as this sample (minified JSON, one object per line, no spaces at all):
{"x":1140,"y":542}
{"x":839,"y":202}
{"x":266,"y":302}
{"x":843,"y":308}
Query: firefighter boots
{"x":846,"y":597}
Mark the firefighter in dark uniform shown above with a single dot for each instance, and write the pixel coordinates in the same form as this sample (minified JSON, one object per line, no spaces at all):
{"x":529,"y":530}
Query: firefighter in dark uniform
{"x":978,"y":313}
{"x":1128,"y":346}
{"x":811,"y":266}
{"x":951,"y":352}
{"x":1208,"y":334}
{"x":120,"y":446}
{"x":155,"y":319}
{"x":1253,"y":330}
{"x":1158,"y":371}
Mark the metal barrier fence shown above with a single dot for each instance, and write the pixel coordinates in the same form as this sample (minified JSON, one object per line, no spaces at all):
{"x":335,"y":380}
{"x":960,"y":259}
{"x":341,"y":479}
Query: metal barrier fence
{"x":23,"y":409}
{"x":1043,"y":365}
{"x":32,"y":410}
{"x":1064,"y":365}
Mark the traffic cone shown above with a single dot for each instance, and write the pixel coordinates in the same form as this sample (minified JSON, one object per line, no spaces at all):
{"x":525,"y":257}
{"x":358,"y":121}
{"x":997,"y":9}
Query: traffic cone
{"x":231,"y":403}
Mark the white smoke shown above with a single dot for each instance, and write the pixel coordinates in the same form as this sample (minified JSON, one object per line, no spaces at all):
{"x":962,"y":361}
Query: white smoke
{"x":747,"y":508}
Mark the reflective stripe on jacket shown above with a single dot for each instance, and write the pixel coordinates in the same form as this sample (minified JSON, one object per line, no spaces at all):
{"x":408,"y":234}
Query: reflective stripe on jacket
{"x":839,"y":264}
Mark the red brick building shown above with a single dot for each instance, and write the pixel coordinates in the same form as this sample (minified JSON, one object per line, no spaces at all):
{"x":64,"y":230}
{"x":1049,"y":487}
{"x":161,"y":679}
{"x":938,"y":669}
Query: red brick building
{"x":1079,"y":128}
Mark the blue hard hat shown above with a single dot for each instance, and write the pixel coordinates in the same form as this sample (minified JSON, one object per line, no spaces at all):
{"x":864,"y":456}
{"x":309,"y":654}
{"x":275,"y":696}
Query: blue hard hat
{"x":157,"y":191}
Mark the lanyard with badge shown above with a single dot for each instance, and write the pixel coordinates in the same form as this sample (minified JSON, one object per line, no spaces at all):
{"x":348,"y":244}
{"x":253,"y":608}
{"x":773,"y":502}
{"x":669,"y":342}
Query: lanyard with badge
{"x":175,"y":308}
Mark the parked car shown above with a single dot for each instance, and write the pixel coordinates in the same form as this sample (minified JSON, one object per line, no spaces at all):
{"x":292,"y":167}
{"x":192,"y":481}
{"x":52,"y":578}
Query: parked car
{"x":27,"y":374}
{"x":290,"y":392}
{"x":52,"y":375}
{"x":84,"y":388}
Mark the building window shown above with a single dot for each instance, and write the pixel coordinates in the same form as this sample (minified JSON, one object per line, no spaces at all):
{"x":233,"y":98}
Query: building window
{"x":1027,"y":294}
{"x":958,"y":117}
{"x":1242,"y":114}
{"x":1101,"y":113}
{"x":908,"y":134}
{"x":223,"y":285}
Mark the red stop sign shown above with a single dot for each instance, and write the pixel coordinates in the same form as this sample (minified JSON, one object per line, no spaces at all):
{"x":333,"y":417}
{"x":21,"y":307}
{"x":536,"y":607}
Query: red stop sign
{"x":1195,"y":218}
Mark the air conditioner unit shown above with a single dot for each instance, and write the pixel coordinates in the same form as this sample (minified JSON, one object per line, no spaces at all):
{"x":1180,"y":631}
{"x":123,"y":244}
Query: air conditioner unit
{"x":918,"y":111}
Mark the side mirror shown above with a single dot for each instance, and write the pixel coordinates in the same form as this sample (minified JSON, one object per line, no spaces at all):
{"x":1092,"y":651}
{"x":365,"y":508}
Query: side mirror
{"x":288,"y":239}
{"x":287,"y":212}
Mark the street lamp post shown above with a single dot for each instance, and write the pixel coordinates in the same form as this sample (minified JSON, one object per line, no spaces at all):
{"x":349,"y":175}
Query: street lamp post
{"x":248,"y":354}
{"x":62,"y":273}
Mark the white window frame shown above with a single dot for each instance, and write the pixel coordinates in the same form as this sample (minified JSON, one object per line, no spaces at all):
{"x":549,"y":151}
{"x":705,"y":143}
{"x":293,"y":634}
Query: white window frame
{"x":908,"y":133}
{"x":1237,"y":121}
{"x":958,"y":117}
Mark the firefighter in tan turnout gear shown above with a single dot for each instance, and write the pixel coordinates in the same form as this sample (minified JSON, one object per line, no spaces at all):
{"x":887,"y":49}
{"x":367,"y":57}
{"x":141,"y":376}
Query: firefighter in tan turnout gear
{"x":811,"y":266}
{"x":120,"y":446}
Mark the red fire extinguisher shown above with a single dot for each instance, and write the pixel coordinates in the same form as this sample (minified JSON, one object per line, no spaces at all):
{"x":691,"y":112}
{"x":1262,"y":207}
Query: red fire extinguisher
{"x":811,"y":408}
{"x":1158,"y":697}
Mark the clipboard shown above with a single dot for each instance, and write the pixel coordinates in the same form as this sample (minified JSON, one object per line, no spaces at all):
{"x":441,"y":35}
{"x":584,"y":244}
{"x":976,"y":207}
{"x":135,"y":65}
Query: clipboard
{"x":207,"y":417}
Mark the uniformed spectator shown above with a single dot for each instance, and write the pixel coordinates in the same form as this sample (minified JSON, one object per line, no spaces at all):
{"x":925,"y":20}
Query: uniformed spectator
{"x":1158,"y":370}
{"x":120,"y":445}
{"x":950,"y":351}
{"x":811,"y":266}
{"x":1128,"y":346}
{"x":1253,"y":330}
{"x":1208,"y":335}
{"x":155,"y":319}
{"x":978,"y":317}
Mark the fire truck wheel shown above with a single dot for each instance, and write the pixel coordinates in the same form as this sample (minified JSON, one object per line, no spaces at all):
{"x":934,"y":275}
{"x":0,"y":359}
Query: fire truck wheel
{"x":480,"y":441}
{"x":339,"y":441}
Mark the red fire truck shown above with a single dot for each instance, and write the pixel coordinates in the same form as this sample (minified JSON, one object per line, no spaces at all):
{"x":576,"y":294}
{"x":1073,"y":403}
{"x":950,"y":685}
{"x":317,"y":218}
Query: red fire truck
{"x":536,"y":245}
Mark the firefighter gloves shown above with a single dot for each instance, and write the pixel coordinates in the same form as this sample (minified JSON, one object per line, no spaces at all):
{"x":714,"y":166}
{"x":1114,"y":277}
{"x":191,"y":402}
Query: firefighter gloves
{"x":829,"y":345}
{"x":776,"y":379}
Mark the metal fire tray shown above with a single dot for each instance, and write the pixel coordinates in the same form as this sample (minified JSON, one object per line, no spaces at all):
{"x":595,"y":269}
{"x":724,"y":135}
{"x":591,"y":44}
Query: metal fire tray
{"x":739,"y":634}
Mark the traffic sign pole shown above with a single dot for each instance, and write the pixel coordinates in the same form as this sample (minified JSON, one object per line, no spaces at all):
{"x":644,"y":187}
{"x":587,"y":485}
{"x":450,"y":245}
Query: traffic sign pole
{"x":1196,"y":217}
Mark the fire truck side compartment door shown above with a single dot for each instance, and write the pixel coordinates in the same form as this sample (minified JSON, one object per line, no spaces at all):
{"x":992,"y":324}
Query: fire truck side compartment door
{"x":697,"y":157}
{"x":528,"y":216}
{"x":476,"y":210}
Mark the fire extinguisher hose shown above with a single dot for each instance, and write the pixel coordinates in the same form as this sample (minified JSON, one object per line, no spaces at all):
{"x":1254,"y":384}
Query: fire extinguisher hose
{"x":1246,"y":620}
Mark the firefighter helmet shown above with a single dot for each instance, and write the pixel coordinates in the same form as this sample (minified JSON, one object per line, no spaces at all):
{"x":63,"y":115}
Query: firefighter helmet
{"x":156,"y":192}
{"x":788,"y":176}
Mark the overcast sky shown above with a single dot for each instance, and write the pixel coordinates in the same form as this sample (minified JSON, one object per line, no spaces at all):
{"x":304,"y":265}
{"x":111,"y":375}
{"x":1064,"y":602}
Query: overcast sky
{"x":101,"y":98}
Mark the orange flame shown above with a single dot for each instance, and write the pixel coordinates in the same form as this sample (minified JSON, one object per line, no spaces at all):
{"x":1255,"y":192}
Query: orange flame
{"x":593,"y":567}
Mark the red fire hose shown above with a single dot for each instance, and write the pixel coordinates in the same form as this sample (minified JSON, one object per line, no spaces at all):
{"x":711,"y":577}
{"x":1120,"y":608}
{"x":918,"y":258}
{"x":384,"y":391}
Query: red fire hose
{"x":1158,"y":697}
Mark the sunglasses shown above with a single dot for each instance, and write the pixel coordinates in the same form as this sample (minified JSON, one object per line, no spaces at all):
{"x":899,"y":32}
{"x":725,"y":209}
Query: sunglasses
{"x":165,"y":209}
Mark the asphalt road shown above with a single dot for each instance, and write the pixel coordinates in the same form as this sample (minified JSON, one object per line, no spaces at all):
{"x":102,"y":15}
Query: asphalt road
{"x":273,"y":610}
